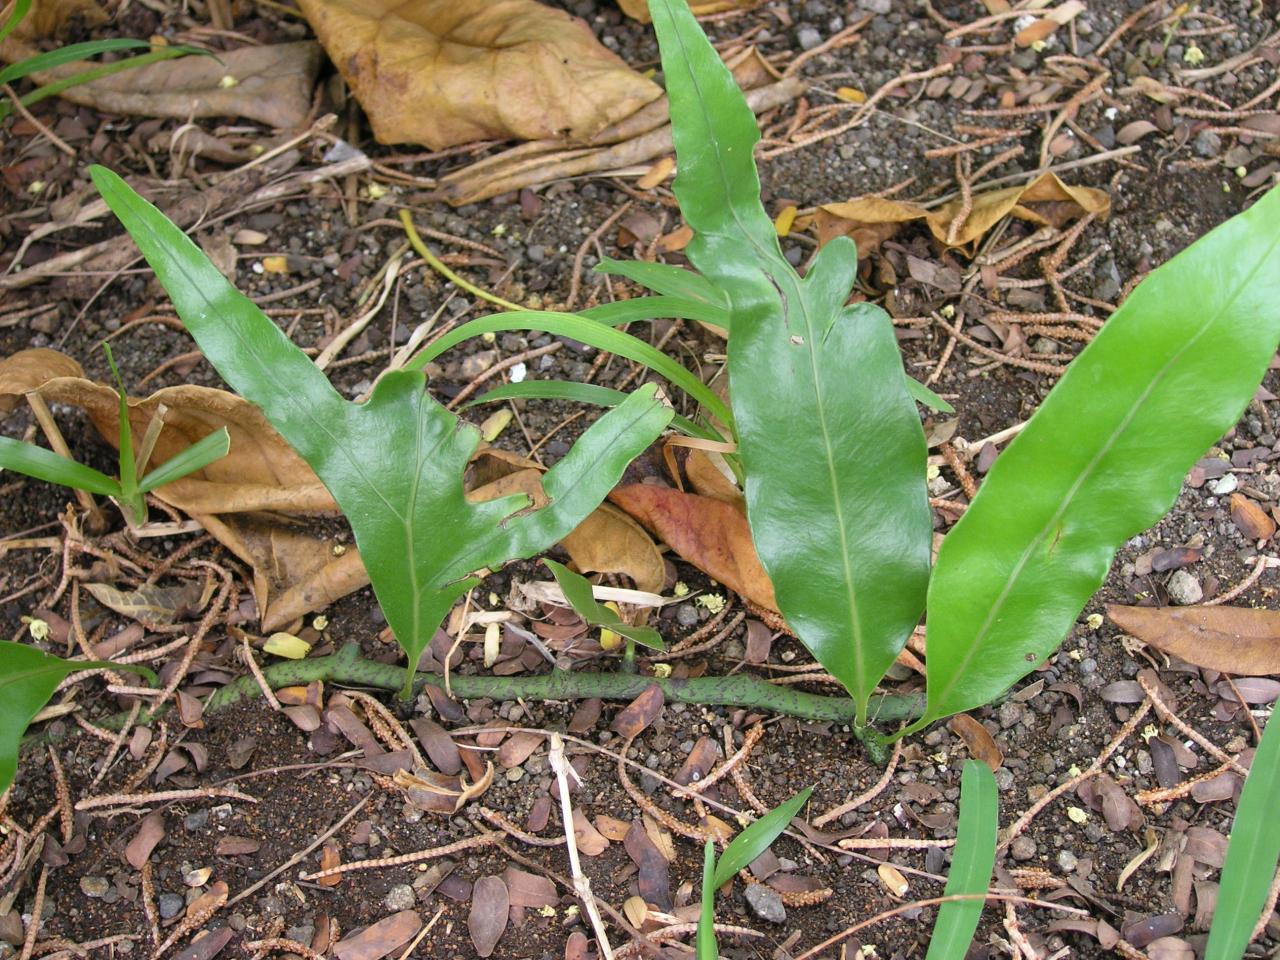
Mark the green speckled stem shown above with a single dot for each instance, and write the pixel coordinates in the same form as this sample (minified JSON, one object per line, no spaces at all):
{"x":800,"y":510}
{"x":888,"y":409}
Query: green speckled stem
{"x":347,"y":666}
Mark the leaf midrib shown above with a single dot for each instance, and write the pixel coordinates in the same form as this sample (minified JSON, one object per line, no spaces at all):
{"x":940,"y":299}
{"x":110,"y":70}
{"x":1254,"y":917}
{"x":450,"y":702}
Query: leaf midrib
{"x":960,"y":668}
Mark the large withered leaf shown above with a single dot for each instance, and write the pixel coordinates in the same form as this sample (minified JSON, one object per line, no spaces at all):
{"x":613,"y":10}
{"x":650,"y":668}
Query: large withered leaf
{"x":443,"y":72}
{"x":487,"y":921}
{"x":1238,"y":640}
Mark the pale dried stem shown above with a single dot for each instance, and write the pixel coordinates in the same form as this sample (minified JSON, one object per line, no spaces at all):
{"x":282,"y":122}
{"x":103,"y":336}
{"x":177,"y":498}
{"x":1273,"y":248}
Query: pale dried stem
{"x":162,"y":796}
{"x":37,"y":915}
{"x":1273,"y":892}
{"x":581,"y":885}
{"x":381,"y":863}
{"x":258,"y":676}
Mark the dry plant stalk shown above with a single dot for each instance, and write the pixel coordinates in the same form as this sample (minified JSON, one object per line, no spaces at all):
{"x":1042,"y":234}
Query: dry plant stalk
{"x":581,"y":885}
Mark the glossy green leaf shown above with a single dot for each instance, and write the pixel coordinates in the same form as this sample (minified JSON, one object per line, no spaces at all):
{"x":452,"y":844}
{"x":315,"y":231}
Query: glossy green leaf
{"x":1102,"y":458}
{"x":196,"y":457}
{"x":649,"y":308}
{"x":577,"y":590}
{"x":707,"y":947}
{"x":596,"y":334}
{"x":666,"y":280}
{"x":395,"y":463}
{"x":1252,"y":853}
{"x":68,"y":54}
{"x":33,"y":461}
{"x":580,"y":393}
{"x":28,"y":678}
{"x":830,"y":438}
{"x":971,"y":864}
{"x":756,"y":838}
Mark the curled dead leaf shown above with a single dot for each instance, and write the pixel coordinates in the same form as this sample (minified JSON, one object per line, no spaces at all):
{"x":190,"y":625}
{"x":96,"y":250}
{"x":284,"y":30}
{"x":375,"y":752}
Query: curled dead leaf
{"x":1046,"y":200}
{"x":982,"y":746}
{"x":444,"y":72}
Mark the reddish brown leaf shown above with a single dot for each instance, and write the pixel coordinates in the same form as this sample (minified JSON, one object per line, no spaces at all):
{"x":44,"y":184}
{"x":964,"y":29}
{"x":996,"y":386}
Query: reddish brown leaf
{"x":190,"y":710}
{"x":759,"y":642}
{"x":539,"y":814}
{"x":591,"y":842}
{"x":150,"y":832}
{"x":639,"y":713}
{"x":710,"y":534}
{"x":1250,"y":519}
{"x":575,"y":948}
{"x":330,"y":857}
{"x":304,"y":716}
{"x":236,"y":846}
{"x":699,"y":762}
{"x":654,"y":878}
{"x":585,"y":717}
{"x":487,"y":921}
{"x":441,"y":749}
{"x":611,"y":828}
{"x":529,"y":889}
{"x":518,"y":748}
{"x":379,"y":939}
{"x":1236,"y":640}
{"x":1254,"y":690}
{"x":975,"y":736}
{"x":206,"y":947}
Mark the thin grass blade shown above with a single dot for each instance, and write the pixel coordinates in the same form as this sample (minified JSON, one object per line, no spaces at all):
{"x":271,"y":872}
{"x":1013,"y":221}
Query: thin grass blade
{"x":196,"y":457}
{"x":1252,"y":853}
{"x":756,"y":838}
{"x":971,"y":865}
{"x":33,"y":461}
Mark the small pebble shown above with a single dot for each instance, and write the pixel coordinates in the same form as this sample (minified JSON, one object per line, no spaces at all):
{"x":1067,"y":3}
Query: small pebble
{"x":1067,"y":860}
{"x":808,"y":38}
{"x":1184,"y":588}
{"x":1022,"y":848}
{"x":195,"y":822}
{"x":400,"y":897}
{"x":94,"y":886}
{"x":1225,"y":485}
{"x":170,"y":905}
{"x":686,"y":614}
{"x":766,"y":903}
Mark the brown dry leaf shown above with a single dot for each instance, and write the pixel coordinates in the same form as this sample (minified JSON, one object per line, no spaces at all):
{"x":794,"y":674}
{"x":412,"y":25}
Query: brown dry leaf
{"x":893,"y":879}
{"x":441,"y":750}
{"x":150,"y":832}
{"x":444,"y":72}
{"x":239,"y":499}
{"x":48,"y":17}
{"x":639,"y":713}
{"x":490,"y":907}
{"x":708,"y":480}
{"x":636,"y":911}
{"x":1034,"y":32}
{"x":151,"y":605}
{"x":1046,"y":200}
{"x":273,"y":84}
{"x":518,"y":748}
{"x":1236,"y":640}
{"x":710,"y":534}
{"x":975,"y":736}
{"x":608,"y":541}
{"x":330,"y":857}
{"x":529,"y":889}
{"x":238,"y":847}
{"x":611,"y":828}
{"x":1250,"y":519}
{"x":377,"y":940}
{"x":591,"y":842}
{"x":654,"y":877}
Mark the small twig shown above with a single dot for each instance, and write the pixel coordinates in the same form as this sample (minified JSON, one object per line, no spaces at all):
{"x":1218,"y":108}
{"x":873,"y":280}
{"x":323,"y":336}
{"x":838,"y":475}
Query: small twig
{"x":380,"y":863}
{"x":27,"y":115}
{"x":581,"y":885}
{"x":1168,"y":715}
{"x":162,"y":796}
{"x":867,"y":795}
{"x":37,"y":915}
{"x":256,"y":670}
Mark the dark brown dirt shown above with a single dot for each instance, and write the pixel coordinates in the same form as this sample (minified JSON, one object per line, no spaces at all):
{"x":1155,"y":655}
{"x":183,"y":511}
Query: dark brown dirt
{"x":1043,"y":729}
